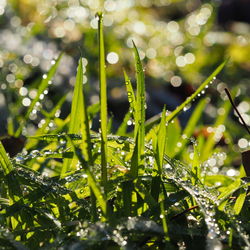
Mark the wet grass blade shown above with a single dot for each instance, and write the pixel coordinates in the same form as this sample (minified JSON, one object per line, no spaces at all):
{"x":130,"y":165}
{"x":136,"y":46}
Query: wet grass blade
{"x":84,"y":119}
{"x":131,"y":94}
{"x":196,"y":93}
{"x":93,"y":184}
{"x":160,"y":144}
{"x":43,"y":85}
{"x":240,"y":200}
{"x":164,"y":222}
{"x":154,"y":120}
{"x":103,"y":99}
{"x":50,"y":116}
{"x":76,"y":115}
{"x":139,"y":132}
{"x":4,"y":160}
{"x":161,"y":141}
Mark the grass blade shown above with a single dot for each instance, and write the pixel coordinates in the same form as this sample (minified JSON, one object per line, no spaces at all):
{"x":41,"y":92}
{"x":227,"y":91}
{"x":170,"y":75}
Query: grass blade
{"x":130,"y":93}
{"x":43,"y":85}
{"x":51,"y":116}
{"x":240,"y":201}
{"x":139,"y":132}
{"x":84,"y":119}
{"x":5,"y":161}
{"x":154,"y":120}
{"x":161,"y":141}
{"x":76,"y":115}
{"x":196,"y":93}
{"x":103,"y":99}
{"x":91,"y":179}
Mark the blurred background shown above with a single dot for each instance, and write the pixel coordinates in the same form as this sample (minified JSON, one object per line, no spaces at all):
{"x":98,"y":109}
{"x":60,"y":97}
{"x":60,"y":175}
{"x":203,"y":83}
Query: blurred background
{"x":180,"y":43}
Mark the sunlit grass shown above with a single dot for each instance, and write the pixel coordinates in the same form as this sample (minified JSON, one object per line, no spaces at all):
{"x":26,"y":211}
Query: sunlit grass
{"x":77,"y":186}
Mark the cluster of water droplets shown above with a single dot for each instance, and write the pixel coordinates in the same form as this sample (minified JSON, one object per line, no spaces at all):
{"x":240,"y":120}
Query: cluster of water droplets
{"x":201,"y":93}
{"x":205,"y":199}
{"x":46,"y":183}
{"x":47,"y":153}
{"x":122,"y":234}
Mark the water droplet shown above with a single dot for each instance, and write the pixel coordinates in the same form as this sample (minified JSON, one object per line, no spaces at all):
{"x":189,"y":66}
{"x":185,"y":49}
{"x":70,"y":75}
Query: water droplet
{"x":129,"y":122}
{"x":19,"y":159}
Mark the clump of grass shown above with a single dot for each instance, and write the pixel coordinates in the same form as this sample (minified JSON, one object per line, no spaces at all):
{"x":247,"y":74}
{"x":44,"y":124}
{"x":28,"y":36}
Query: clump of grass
{"x":121,"y":192}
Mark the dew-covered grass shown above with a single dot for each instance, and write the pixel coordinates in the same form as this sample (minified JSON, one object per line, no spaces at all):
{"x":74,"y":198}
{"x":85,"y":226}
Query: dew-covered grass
{"x":73,"y":188}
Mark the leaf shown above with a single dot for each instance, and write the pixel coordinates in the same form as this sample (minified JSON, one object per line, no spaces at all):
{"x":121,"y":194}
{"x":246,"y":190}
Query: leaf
{"x":173,"y":136}
{"x":76,"y":114}
{"x":130,"y":93}
{"x":240,"y":201}
{"x":91,"y":179}
{"x":43,"y":85}
{"x":229,"y":189}
{"x":161,"y":141}
{"x":103,"y":99}
{"x":191,"y":98}
{"x":139,"y":131}
{"x":196,"y":93}
{"x":5,"y":162}
{"x":42,"y":130}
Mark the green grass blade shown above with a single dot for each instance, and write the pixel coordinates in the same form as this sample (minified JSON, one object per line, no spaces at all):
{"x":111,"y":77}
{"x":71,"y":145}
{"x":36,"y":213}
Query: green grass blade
{"x":130,"y":93}
{"x":77,"y":112}
{"x":43,"y":85}
{"x":103,"y":99}
{"x":93,"y":184}
{"x":154,"y":120}
{"x":196,"y":93}
{"x":4,"y":160}
{"x":240,"y":201}
{"x":139,"y":133}
{"x":173,"y":136}
{"x":84,"y":119}
{"x":226,"y":191}
{"x":161,"y":141}
{"x":159,"y":144}
{"x":164,"y":222}
{"x":51,"y":116}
